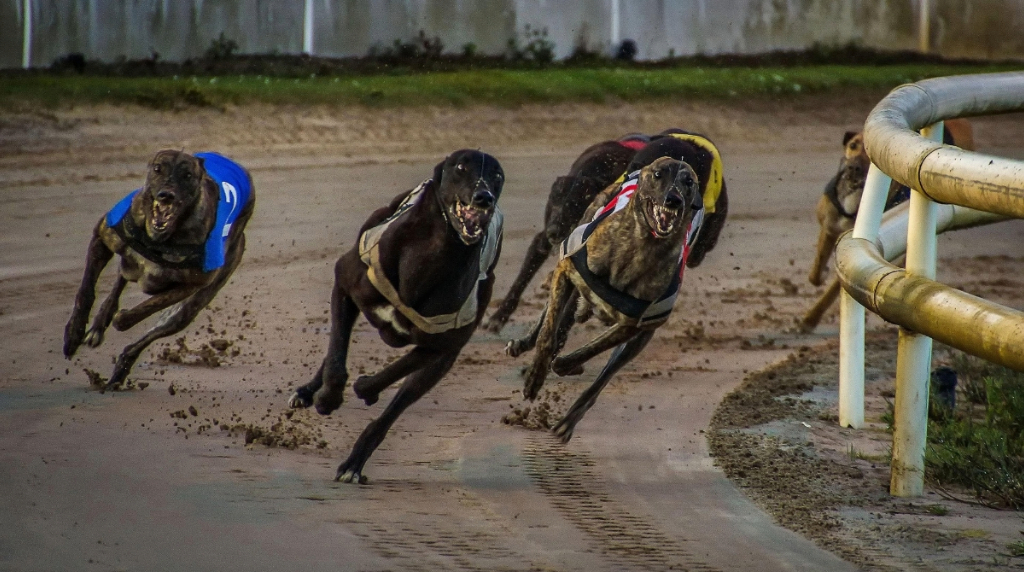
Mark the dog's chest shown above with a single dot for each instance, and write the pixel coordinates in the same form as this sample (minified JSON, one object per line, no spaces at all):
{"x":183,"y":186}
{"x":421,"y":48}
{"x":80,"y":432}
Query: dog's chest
{"x":151,"y":277}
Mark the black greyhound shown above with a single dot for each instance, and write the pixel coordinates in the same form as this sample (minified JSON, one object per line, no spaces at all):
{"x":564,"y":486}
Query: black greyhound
{"x":422,"y":274}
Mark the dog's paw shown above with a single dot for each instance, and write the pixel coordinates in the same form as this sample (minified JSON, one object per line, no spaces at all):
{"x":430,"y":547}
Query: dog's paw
{"x":534,"y":381}
{"x":93,"y":338}
{"x":363,"y":392}
{"x":516,"y":348}
{"x":122,"y":321}
{"x":327,"y":400}
{"x":72,"y":338}
{"x":351,"y":477}
{"x":561,"y":368}
{"x":562,"y":431}
{"x":301,"y":399}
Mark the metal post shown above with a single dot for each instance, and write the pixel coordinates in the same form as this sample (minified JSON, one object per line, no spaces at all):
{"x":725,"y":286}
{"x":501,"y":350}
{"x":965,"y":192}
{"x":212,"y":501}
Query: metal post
{"x":616,"y":25}
{"x":26,"y":34}
{"x":307,"y":29}
{"x":924,"y":28}
{"x":851,"y":314}
{"x":914,"y":357}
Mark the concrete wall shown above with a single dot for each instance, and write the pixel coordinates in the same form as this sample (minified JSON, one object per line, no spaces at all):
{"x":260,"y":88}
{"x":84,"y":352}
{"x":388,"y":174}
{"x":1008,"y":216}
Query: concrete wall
{"x":180,"y":29}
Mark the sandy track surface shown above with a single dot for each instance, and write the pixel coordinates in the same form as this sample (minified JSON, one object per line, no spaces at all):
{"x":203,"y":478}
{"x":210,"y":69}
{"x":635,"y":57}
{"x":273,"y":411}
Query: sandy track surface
{"x":206,"y":468}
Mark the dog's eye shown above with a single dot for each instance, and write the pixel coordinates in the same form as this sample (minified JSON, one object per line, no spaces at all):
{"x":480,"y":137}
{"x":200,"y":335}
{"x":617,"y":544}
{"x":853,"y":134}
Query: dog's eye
{"x":186,"y":176}
{"x":460,"y":167}
{"x":657,"y":174}
{"x":157,"y":169}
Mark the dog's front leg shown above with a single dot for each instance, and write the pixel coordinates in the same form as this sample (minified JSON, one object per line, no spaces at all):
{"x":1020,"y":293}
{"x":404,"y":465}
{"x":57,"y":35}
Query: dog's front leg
{"x":573,"y":363}
{"x":368,"y":387}
{"x":827,"y":216}
{"x":100,"y":323}
{"x":547,"y":339}
{"x":175,"y":319}
{"x":96,"y":259}
{"x":435,"y":366}
{"x":126,"y":319}
{"x":620,"y":357}
{"x":334,"y":373}
{"x":538,"y":252}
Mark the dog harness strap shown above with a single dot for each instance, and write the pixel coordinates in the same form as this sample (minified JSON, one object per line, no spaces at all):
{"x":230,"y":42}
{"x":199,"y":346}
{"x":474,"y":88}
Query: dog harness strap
{"x":369,"y":253}
{"x":714,"y":186}
{"x":179,"y":256}
{"x":832,"y":192}
{"x":643,"y":311}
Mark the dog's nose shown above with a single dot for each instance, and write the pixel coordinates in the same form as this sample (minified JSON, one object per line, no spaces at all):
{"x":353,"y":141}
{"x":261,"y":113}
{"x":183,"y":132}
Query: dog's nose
{"x":673,"y":199}
{"x":483,"y":199}
{"x":165,"y":196}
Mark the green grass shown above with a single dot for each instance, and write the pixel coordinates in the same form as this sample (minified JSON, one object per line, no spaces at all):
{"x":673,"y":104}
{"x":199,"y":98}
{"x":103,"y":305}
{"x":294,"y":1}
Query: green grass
{"x":493,"y":86}
{"x":980,"y":447}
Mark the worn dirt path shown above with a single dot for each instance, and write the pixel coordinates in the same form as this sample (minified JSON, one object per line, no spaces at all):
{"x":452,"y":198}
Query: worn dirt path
{"x":136,"y":481}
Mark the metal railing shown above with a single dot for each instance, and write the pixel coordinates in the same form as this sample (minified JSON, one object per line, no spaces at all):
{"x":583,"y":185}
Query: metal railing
{"x":992,"y":188}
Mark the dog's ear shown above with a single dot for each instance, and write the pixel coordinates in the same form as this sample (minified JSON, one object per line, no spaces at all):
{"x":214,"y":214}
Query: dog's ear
{"x":202,"y":163}
{"x":849,"y":135}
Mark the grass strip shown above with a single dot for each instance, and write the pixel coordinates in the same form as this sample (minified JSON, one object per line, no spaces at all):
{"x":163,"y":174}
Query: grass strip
{"x":490,"y":86}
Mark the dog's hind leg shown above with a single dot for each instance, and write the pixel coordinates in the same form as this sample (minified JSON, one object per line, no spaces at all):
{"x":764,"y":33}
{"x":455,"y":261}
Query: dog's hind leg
{"x":100,"y":323}
{"x":620,"y":357}
{"x":173,"y":320}
{"x":334,"y":371}
{"x":538,"y":252}
{"x":573,"y":363}
{"x":97,"y":258}
{"x":368,"y":387}
{"x":415,"y":386}
{"x":813,"y":316}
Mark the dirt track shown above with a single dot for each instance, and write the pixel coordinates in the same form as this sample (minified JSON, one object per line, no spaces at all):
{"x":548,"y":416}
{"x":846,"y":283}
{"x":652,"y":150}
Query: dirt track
{"x":135,"y":480}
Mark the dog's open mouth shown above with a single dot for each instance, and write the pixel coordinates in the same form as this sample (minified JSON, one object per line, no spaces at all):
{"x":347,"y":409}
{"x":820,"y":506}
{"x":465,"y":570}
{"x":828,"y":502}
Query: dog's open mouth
{"x":469,"y":221}
{"x":161,"y":218}
{"x":663,"y":219}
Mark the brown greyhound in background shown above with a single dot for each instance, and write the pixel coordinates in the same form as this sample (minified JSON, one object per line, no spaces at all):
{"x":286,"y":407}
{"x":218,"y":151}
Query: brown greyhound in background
{"x":837,"y":207}
{"x":421,"y":273}
{"x":180,"y":237}
{"x":596,"y":168}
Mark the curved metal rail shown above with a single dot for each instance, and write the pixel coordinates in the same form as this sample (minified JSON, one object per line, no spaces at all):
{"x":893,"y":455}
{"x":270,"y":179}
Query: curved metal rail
{"x":911,"y":298}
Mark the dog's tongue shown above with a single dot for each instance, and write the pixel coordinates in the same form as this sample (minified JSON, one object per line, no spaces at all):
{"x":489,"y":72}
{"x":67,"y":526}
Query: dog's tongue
{"x":664,"y":221}
{"x":471,"y":222}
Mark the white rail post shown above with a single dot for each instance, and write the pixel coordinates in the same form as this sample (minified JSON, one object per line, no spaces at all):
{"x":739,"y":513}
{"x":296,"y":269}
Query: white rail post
{"x":615,"y":32}
{"x":307,"y":28}
{"x":914,"y":356}
{"x":851,"y":314}
{"x":26,"y":34}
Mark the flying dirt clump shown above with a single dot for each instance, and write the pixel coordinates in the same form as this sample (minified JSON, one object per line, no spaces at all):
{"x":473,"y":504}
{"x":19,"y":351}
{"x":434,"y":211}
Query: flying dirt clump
{"x":210,"y":354}
{"x":539,"y":417}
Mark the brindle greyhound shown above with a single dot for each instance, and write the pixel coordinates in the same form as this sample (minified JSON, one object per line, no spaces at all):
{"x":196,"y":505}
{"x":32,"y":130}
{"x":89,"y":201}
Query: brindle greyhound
{"x":181,"y":236}
{"x":422,"y":273}
{"x":626,"y":264}
{"x":596,"y":168}
{"x":838,"y":205}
